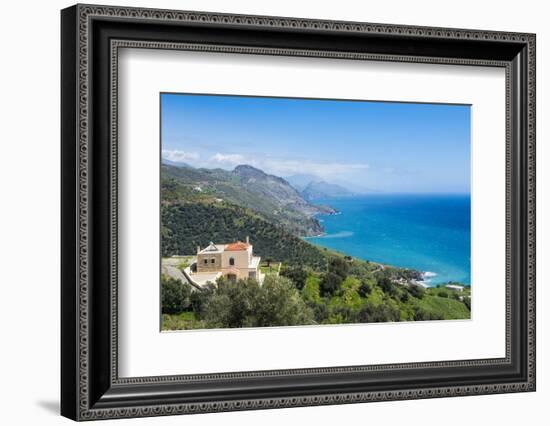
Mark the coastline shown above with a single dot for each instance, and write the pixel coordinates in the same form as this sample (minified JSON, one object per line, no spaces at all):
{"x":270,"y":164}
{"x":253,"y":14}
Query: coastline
{"x":420,"y":245}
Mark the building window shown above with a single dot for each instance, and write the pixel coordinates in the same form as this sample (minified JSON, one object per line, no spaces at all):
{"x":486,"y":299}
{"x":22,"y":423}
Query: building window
{"x":212,"y":260}
{"x":206,"y":261}
{"x":252,"y":274}
{"x":231,"y":261}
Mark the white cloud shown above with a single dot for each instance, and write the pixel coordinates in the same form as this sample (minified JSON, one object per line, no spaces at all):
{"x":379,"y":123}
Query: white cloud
{"x":323,"y":169}
{"x":278,"y":166}
{"x":233,"y":159}
{"x":179,"y":156}
{"x":287,"y":167}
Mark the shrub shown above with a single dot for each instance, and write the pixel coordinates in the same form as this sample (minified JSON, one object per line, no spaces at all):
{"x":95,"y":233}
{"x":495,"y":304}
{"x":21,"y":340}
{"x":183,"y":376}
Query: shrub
{"x":416,"y":291}
{"x":379,"y":313}
{"x":365,"y":288}
{"x":175,"y":295}
{"x":330,"y":284}
{"x":243,"y":303}
{"x":424,"y":315}
{"x":280,"y":304}
{"x":320,"y":311}
{"x":338,"y":266}
{"x":296,"y":274}
{"x":310,"y":292}
{"x":342,"y":315}
{"x":232,"y":304}
{"x":198,"y":299}
{"x":387,"y":286}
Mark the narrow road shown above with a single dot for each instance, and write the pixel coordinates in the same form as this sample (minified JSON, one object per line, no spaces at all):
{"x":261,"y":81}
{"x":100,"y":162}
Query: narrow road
{"x":379,"y":267}
{"x":176,"y":273}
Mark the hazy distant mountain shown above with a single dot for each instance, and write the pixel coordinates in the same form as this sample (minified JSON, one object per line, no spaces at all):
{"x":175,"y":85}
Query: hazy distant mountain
{"x":300,"y":181}
{"x":316,"y":190}
{"x":313,"y":187}
{"x":175,"y":163}
{"x":275,"y":188}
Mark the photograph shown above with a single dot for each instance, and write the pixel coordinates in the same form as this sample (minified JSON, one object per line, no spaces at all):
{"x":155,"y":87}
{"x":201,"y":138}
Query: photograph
{"x":279,"y":211}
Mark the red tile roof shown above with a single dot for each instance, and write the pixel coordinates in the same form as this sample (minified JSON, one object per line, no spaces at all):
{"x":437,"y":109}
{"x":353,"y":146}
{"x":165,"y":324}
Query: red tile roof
{"x":237,"y":246}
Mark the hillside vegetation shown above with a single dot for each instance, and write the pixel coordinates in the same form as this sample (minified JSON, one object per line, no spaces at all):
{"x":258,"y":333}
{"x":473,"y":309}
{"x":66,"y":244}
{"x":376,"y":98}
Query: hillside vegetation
{"x":190,"y":224}
{"x":314,"y":285}
{"x":343,"y":292}
{"x":245,"y":186}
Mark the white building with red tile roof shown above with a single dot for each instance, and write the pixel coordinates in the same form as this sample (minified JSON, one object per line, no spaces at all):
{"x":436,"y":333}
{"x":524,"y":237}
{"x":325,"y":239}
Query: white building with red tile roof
{"x":234,"y":260}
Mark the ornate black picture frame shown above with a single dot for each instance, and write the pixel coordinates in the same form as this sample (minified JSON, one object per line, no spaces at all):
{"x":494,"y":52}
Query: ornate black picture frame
{"x":91,"y":36}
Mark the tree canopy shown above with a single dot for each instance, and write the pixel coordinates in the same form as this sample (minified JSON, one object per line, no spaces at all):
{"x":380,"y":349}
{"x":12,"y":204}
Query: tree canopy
{"x":243,"y":303}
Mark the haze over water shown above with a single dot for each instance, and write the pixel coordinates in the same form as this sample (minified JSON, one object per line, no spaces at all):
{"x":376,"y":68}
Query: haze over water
{"x":426,"y":232}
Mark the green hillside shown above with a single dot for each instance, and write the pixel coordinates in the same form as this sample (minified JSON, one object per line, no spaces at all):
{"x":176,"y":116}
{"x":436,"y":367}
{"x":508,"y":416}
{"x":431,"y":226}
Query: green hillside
{"x":448,"y":308}
{"x":268,"y":195}
{"x":188,"y":225}
{"x":313,"y":286}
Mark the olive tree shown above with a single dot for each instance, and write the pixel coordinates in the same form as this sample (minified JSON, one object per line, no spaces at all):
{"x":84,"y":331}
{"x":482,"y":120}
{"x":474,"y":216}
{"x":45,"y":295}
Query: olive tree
{"x":243,"y":303}
{"x":175,"y":295}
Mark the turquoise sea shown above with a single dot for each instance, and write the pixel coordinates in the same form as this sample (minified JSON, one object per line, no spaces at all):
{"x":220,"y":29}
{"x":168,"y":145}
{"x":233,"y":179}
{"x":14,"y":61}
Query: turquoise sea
{"x":430,"y":233}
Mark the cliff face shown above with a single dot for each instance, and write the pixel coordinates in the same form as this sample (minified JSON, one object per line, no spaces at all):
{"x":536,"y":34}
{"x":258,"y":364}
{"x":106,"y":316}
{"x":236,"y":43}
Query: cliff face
{"x":276,"y":189}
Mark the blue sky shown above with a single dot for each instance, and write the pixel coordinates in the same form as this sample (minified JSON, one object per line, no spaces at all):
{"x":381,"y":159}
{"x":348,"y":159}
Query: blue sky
{"x":370,"y":146}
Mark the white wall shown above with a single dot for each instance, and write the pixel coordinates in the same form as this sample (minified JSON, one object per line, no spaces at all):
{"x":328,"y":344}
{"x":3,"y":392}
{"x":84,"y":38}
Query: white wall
{"x":29,"y":225}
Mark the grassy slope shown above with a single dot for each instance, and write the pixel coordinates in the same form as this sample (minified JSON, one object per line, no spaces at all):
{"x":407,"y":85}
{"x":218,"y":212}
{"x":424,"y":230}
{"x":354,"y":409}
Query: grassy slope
{"x":181,"y":321}
{"x":450,"y":308}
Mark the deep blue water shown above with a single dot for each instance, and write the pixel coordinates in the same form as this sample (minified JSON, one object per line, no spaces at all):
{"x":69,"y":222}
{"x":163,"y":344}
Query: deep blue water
{"x":430,"y":233}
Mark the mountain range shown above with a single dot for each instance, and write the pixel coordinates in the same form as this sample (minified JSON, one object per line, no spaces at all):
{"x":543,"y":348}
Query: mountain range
{"x":317,"y":190}
{"x":246,"y":186}
{"x":313,"y":188}
{"x":175,"y":163}
{"x":299,"y":182}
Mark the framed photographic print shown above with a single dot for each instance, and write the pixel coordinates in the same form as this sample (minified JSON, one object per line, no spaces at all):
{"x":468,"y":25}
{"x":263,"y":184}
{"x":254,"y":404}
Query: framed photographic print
{"x":263,"y":212}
